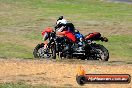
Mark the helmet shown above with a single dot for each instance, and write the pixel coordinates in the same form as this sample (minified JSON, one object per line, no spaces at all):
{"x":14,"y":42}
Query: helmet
{"x":63,"y":21}
{"x":60,"y":18}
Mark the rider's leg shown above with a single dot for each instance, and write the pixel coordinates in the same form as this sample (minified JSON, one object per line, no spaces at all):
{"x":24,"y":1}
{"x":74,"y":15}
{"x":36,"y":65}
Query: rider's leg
{"x":45,"y":38}
{"x":45,"y":44}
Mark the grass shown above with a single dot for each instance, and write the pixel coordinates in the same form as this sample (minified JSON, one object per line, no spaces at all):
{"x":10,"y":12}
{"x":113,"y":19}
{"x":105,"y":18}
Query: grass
{"x":22,"y":85}
{"x":12,"y":85}
{"x":120,"y":46}
{"x":21,"y":23}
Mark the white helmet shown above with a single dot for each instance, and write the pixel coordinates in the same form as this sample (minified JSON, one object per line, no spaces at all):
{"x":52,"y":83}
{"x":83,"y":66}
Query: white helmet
{"x":63,"y":21}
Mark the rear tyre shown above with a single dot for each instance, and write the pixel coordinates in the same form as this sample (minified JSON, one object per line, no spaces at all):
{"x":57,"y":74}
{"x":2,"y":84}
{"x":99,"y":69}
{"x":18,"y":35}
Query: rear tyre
{"x":101,"y":52}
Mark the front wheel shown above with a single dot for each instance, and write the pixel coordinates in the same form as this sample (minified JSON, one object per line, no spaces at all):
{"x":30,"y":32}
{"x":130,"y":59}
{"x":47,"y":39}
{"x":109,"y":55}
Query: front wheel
{"x":39,"y":51}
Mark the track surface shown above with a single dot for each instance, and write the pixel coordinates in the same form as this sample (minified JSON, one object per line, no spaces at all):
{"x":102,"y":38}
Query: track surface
{"x":124,"y":1}
{"x":58,"y":73}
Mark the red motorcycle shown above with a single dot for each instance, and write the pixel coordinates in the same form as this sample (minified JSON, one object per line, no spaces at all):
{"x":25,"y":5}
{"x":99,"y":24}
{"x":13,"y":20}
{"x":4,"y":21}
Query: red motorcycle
{"x":65,"y":47}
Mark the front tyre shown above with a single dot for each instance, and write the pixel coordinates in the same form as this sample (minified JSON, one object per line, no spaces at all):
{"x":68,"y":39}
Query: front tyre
{"x":39,"y":51}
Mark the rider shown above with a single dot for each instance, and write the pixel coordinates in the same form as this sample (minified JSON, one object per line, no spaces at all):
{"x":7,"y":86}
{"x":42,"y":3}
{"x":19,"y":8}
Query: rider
{"x":65,"y":28}
{"x":62,"y":25}
{"x":64,"y":31}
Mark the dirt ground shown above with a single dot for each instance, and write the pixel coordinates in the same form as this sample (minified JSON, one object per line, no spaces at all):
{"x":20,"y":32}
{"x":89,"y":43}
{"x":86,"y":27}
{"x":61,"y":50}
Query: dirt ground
{"x":58,"y":73}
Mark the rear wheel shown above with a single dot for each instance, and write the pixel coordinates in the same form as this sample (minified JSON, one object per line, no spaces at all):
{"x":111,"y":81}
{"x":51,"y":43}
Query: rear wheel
{"x":100,"y":52}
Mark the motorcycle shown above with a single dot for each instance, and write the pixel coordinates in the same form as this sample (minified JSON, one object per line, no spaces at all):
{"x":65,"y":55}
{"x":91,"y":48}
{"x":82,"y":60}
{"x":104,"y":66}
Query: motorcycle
{"x":82,"y":49}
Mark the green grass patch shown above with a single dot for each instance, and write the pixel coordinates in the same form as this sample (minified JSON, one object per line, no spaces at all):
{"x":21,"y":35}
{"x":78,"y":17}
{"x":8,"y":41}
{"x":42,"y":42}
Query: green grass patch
{"x":34,"y":36}
{"x":120,"y":46}
{"x":15,"y":50}
{"x":22,"y":12}
{"x":13,"y":85}
{"x":22,"y":85}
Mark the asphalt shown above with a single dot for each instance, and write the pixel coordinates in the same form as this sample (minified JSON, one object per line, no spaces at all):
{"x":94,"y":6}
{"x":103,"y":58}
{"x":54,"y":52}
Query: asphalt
{"x":123,"y":1}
